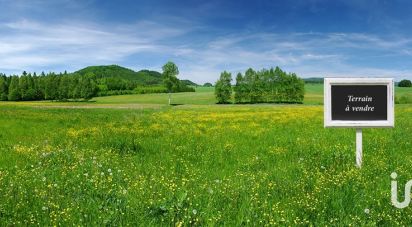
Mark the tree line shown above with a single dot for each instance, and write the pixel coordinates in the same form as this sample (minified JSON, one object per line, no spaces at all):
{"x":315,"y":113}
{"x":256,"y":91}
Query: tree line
{"x":50,"y":86}
{"x":264,"y":86}
{"x":76,"y":86}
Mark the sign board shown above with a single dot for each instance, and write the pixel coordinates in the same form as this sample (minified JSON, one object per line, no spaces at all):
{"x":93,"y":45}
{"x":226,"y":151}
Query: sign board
{"x":358,"y":102}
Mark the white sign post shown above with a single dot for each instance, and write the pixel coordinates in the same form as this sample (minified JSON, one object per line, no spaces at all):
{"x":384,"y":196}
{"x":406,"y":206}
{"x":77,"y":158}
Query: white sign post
{"x":359,"y":147}
{"x":358,"y":103}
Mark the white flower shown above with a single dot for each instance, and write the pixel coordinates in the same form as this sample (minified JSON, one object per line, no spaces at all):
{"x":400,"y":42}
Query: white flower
{"x":44,"y":179}
{"x":44,"y":208}
{"x":367,"y":211}
{"x":194,"y":211}
{"x":109,"y":170}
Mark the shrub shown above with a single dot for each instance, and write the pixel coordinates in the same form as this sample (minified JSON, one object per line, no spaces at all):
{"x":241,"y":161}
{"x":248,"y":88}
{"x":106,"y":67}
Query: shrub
{"x":405,"y":83}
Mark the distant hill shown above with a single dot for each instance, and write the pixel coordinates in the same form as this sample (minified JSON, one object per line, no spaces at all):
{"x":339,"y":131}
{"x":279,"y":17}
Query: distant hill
{"x":144,"y":77}
{"x":188,"y":83}
{"x":313,"y":80}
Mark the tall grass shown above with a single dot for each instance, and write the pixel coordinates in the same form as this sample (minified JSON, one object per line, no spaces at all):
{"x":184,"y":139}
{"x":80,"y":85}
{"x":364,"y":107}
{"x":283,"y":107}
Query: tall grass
{"x":242,"y":165}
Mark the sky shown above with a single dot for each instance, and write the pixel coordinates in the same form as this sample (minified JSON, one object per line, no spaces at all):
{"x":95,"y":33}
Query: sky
{"x":312,"y":38}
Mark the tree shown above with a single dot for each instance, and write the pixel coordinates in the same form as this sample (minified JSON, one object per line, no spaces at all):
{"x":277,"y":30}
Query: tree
{"x":272,"y":85}
{"x":170,"y":71}
{"x":223,"y":88}
{"x":239,"y":89}
{"x":207,"y":85}
{"x":23,"y":86}
{"x":64,"y":86}
{"x":14,"y":91}
{"x":88,"y":88}
{"x":3,"y":88}
{"x":31,"y":91}
{"x":405,"y":83}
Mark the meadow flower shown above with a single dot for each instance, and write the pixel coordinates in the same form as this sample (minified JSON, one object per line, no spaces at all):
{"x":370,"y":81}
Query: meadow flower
{"x":194,"y":211}
{"x":367,"y":211}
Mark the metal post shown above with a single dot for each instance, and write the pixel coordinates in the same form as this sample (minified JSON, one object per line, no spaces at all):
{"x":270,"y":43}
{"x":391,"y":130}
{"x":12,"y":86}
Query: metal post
{"x":359,"y":147}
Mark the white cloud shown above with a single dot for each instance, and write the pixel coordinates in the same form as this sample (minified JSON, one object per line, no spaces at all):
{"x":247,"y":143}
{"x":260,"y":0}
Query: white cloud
{"x":35,"y":46}
{"x":307,"y":54}
{"x":32,"y":45}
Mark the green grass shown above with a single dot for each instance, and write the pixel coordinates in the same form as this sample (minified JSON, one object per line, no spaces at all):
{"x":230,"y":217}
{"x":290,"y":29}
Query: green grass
{"x":133,"y":160}
{"x":205,"y":96}
{"x":209,"y":165}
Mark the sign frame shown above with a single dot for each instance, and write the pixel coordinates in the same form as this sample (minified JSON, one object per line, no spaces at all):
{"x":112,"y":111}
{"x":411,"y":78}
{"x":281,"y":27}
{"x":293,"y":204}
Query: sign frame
{"x":388,"y":123}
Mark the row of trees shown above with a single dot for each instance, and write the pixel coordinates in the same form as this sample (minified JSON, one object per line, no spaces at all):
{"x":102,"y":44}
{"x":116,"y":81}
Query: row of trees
{"x":49,"y":86}
{"x":264,"y":86}
{"x":85,"y":85}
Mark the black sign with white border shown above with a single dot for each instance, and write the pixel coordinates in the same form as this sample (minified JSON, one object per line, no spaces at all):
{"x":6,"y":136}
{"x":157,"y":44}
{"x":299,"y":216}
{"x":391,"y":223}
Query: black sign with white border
{"x":358,"y":102}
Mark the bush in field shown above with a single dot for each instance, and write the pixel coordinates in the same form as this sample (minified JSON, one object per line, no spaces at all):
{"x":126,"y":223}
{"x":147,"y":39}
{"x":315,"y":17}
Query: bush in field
{"x":268,"y":86}
{"x":223,"y":88}
{"x":405,"y":83}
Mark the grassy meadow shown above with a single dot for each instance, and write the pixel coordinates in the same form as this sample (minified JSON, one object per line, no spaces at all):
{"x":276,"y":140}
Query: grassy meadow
{"x":132,"y":160}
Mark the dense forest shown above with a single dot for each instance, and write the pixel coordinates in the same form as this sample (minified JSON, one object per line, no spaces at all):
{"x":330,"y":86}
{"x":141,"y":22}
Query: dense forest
{"x":83,"y":84}
{"x":264,"y":86}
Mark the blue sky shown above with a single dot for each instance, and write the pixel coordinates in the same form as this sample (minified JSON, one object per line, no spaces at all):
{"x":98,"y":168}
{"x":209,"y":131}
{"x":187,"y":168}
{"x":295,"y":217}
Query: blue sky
{"x":308,"y":37}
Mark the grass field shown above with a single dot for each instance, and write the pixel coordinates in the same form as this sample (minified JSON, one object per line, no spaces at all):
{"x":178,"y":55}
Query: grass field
{"x":130,"y":160}
{"x":205,"y":95}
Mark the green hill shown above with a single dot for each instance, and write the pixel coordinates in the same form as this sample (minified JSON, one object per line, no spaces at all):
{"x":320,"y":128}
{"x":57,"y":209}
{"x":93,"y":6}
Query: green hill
{"x":188,"y":83}
{"x":144,"y":77}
